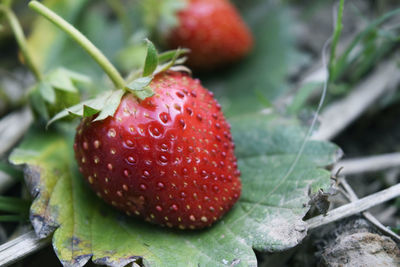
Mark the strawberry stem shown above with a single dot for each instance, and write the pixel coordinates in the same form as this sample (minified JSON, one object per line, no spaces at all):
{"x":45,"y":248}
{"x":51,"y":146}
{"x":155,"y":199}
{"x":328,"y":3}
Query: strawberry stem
{"x":89,"y":47}
{"x":21,"y":40}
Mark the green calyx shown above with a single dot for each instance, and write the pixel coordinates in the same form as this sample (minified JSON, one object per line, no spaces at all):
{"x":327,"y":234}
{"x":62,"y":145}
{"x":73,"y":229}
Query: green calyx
{"x":107,"y":103}
{"x":154,"y":64}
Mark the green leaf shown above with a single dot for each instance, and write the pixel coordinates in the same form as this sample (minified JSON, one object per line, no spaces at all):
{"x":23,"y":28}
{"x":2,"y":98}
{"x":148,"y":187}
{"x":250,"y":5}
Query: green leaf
{"x":268,"y":216}
{"x":274,"y":135}
{"x":151,"y":61}
{"x":341,"y":64}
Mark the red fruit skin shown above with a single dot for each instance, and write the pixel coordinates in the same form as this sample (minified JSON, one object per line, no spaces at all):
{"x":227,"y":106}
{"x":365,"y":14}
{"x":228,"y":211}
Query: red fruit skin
{"x":168,"y":159}
{"x":213,"y":31}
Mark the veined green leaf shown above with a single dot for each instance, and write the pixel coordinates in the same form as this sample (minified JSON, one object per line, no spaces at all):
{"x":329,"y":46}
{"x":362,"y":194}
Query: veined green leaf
{"x":268,"y":216}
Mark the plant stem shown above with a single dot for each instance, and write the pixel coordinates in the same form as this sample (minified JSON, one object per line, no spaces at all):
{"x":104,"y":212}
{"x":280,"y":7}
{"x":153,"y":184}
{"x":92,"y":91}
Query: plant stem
{"x":20,"y":37}
{"x":335,"y":40}
{"x":92,"y":50}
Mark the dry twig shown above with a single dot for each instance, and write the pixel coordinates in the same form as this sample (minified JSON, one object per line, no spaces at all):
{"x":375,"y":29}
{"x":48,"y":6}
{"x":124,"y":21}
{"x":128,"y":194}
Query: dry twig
{"x":20,"y":247}
{"x":13,"y":127}
{"x":353,"y":197}
{"x":340,"y":114}
{"x":368,"y":164}
{"x":355,"y":207}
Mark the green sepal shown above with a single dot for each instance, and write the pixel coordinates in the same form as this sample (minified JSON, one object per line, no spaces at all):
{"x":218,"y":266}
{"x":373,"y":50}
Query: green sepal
{"x":139,"y":83}
{"x":171,"y":54}
{"x":111,"y":105}
{"x":88,"y":111}
{"x":140,"y":87}
{"x":181,"y":68}
{"x":151,"y":61}
{"x":173,"y":61}
{"x":154,"y":64}
{"x":106,"y":104}
{"x":145,"y":93}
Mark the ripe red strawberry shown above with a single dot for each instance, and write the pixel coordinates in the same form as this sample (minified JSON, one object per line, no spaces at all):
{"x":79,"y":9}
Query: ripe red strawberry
{"x":213,"y":31}
{"x":168,"y":159}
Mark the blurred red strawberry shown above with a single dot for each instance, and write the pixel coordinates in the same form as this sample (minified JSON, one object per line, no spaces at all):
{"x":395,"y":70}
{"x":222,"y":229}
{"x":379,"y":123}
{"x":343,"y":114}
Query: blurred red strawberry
{"x":213,"y":31}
